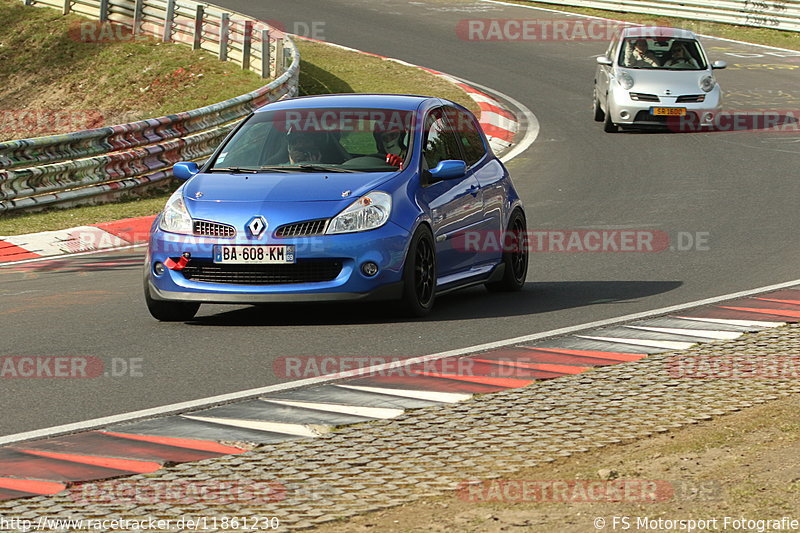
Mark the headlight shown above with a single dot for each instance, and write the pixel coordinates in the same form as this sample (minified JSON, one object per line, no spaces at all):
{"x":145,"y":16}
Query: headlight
{"x":176,"y":218}
{"x":707,"y":83}
{"x":626,"y":80}
{"x":368,"y":212}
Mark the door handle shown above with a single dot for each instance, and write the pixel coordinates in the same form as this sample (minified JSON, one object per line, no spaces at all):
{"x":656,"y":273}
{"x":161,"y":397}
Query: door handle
{"x":473,"y":190}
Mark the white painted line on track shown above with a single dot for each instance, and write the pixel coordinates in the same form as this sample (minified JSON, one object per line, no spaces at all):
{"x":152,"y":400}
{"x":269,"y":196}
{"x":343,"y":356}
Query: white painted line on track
{"x":734,"y":322}
{"x":701,"y":333}
{"x":259,"y":425}
{"x":433,"y":396}
{"x":355,"y":410}
{"x":96,"y":423}
{"x":650,"y":343}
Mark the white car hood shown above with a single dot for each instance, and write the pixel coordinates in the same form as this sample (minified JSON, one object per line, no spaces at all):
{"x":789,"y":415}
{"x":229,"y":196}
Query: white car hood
{"x":666,"y":82}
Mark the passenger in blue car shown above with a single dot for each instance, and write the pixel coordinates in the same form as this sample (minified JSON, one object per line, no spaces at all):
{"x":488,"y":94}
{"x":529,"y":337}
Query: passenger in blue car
{"x":392,"y":144}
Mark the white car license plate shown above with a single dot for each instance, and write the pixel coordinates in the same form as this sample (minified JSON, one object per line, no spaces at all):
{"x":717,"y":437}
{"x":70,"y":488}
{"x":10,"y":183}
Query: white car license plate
{"x":668,"y":111}
{"x":243,"y":254}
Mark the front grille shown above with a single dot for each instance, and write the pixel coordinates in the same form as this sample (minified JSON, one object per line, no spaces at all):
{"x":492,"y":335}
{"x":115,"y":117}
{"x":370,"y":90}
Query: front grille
{"x":302,"y":229}
{"x":690,"y":98}
{"x":203,"y":228}
{"x":643,"y":97}
{"x":307,"y":271}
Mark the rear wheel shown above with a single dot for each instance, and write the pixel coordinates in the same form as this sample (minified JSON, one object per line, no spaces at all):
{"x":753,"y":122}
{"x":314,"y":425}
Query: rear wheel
{"x":170,"y":311}
{"x":419,"y":274}
{"x":515,"y":255}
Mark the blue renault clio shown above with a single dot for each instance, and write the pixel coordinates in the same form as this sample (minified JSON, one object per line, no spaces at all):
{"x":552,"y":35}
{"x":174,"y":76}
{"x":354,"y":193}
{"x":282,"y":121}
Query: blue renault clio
{"x":339,"y":198}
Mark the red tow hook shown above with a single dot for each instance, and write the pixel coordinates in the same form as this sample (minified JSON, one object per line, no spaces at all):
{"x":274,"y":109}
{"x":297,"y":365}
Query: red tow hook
{"x":180,"y":264}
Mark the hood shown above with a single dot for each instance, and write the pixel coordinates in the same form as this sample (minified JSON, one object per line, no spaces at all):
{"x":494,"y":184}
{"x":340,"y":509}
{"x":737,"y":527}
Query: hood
{"x":282,"y":187}
{"x":657,"y":82}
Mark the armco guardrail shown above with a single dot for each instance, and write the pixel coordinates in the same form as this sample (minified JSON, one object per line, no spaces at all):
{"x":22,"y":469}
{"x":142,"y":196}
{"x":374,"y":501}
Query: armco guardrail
{"x":77,"y":167}
{"x":773,"y":14}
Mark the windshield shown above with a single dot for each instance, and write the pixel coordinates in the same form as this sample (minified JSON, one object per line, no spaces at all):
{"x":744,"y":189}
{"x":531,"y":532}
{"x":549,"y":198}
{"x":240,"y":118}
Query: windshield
{"x":320,"y":140}
{"x":662,"y":53}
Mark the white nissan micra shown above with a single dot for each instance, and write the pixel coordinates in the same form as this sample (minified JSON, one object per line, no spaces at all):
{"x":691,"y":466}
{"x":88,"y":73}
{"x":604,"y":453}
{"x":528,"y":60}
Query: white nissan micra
{"x":655,"y":76}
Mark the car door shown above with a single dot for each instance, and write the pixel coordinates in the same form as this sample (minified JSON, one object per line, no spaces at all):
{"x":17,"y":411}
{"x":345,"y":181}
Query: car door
{"x":492,"y":179}
{"x":455,"y":205}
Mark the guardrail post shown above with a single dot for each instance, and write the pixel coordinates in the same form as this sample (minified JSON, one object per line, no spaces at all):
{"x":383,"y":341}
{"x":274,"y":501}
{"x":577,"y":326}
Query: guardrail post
{"x":169,"y":21}
{"x":103,"y":10}
{"x":247,"y":45}
{"x":280,"y":58}
{"x":138,"y":15}
{"x":265,"y":62}
{"x":198,"y":27}
{"x":67,"y":6}
{"x":28,"y":2}
{"x":224,"y":28}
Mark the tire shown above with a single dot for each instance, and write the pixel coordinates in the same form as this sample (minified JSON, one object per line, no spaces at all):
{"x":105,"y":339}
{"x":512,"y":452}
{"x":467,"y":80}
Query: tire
{"x":608,"y":126}
{"x":515,"y":256}
{"x":599,"y":114}
{"x":419,"y":274}
{"x":170,"y":311}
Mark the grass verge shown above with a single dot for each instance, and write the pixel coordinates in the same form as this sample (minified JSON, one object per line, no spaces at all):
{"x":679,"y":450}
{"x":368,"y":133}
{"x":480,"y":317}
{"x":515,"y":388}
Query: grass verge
{"x":55,"y":80}
{"x":766,"y":36}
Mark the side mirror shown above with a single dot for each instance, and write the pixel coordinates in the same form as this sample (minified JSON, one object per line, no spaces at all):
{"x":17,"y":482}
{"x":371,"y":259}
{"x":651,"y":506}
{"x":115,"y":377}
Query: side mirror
{"x":184,"y":171}
{"x":448,"y":169}
{"x":719,"y":65}
{"x":603,"y":60}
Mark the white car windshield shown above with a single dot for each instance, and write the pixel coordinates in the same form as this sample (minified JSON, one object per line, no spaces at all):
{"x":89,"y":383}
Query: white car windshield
{"x":662,"y":53}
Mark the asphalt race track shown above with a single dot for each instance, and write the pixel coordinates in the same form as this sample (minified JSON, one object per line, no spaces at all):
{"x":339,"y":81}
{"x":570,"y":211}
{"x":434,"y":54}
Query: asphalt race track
{"x":737,"y":191}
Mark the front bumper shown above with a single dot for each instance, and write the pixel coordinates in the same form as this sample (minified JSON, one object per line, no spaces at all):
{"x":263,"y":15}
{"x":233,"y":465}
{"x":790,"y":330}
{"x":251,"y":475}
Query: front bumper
{"x":385,"y":246}
{"x":626,"y":111}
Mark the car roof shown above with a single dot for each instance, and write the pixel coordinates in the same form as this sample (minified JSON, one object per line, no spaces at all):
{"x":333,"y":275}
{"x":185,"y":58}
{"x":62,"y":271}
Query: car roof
{"x":369,"y":101}
{"x":657,"y":31}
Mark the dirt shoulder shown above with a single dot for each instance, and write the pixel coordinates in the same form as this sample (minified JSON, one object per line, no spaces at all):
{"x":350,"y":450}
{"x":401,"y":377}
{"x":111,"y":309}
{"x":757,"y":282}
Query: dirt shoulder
{"x":745,"y":464}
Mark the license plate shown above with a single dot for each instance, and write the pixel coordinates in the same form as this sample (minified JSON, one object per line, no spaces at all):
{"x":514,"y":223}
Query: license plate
{"x":668,"y":111}
{"x":242,"y":254}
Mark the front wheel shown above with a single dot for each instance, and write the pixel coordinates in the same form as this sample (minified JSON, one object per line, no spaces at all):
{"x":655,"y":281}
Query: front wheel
{"x":608,"y":126}
{"x":515,"y":255}
{"x":599,"y":114}
{"x":170,"y":311}
{"x":419,"y":274}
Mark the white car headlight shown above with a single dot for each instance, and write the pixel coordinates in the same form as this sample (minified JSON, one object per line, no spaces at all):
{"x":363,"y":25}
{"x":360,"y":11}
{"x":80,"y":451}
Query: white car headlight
{"x":707,"y":83}
{"x":626,"y":80}
{"x":176,"y":218}
{"x":368,"y":212}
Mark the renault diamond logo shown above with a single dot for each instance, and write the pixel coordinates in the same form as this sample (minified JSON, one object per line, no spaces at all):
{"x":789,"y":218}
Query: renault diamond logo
{"x":257,"y":226}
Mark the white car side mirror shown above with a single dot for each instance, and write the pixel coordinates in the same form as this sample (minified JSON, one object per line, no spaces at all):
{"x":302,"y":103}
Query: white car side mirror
{"x":719,"y":65}
{"x":603,"y":60}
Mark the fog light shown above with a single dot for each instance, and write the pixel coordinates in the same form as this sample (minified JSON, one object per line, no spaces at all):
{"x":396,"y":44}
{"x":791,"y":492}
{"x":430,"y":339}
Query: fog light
{"x":369,"y":269}
{"x":708,"y":117}
{"x":624,"y":115}
{"x":159,"y":268}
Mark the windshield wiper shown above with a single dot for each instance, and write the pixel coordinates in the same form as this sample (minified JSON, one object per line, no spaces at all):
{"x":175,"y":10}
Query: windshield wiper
{"x":235,"y":169}
{"x":318,"y":168}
